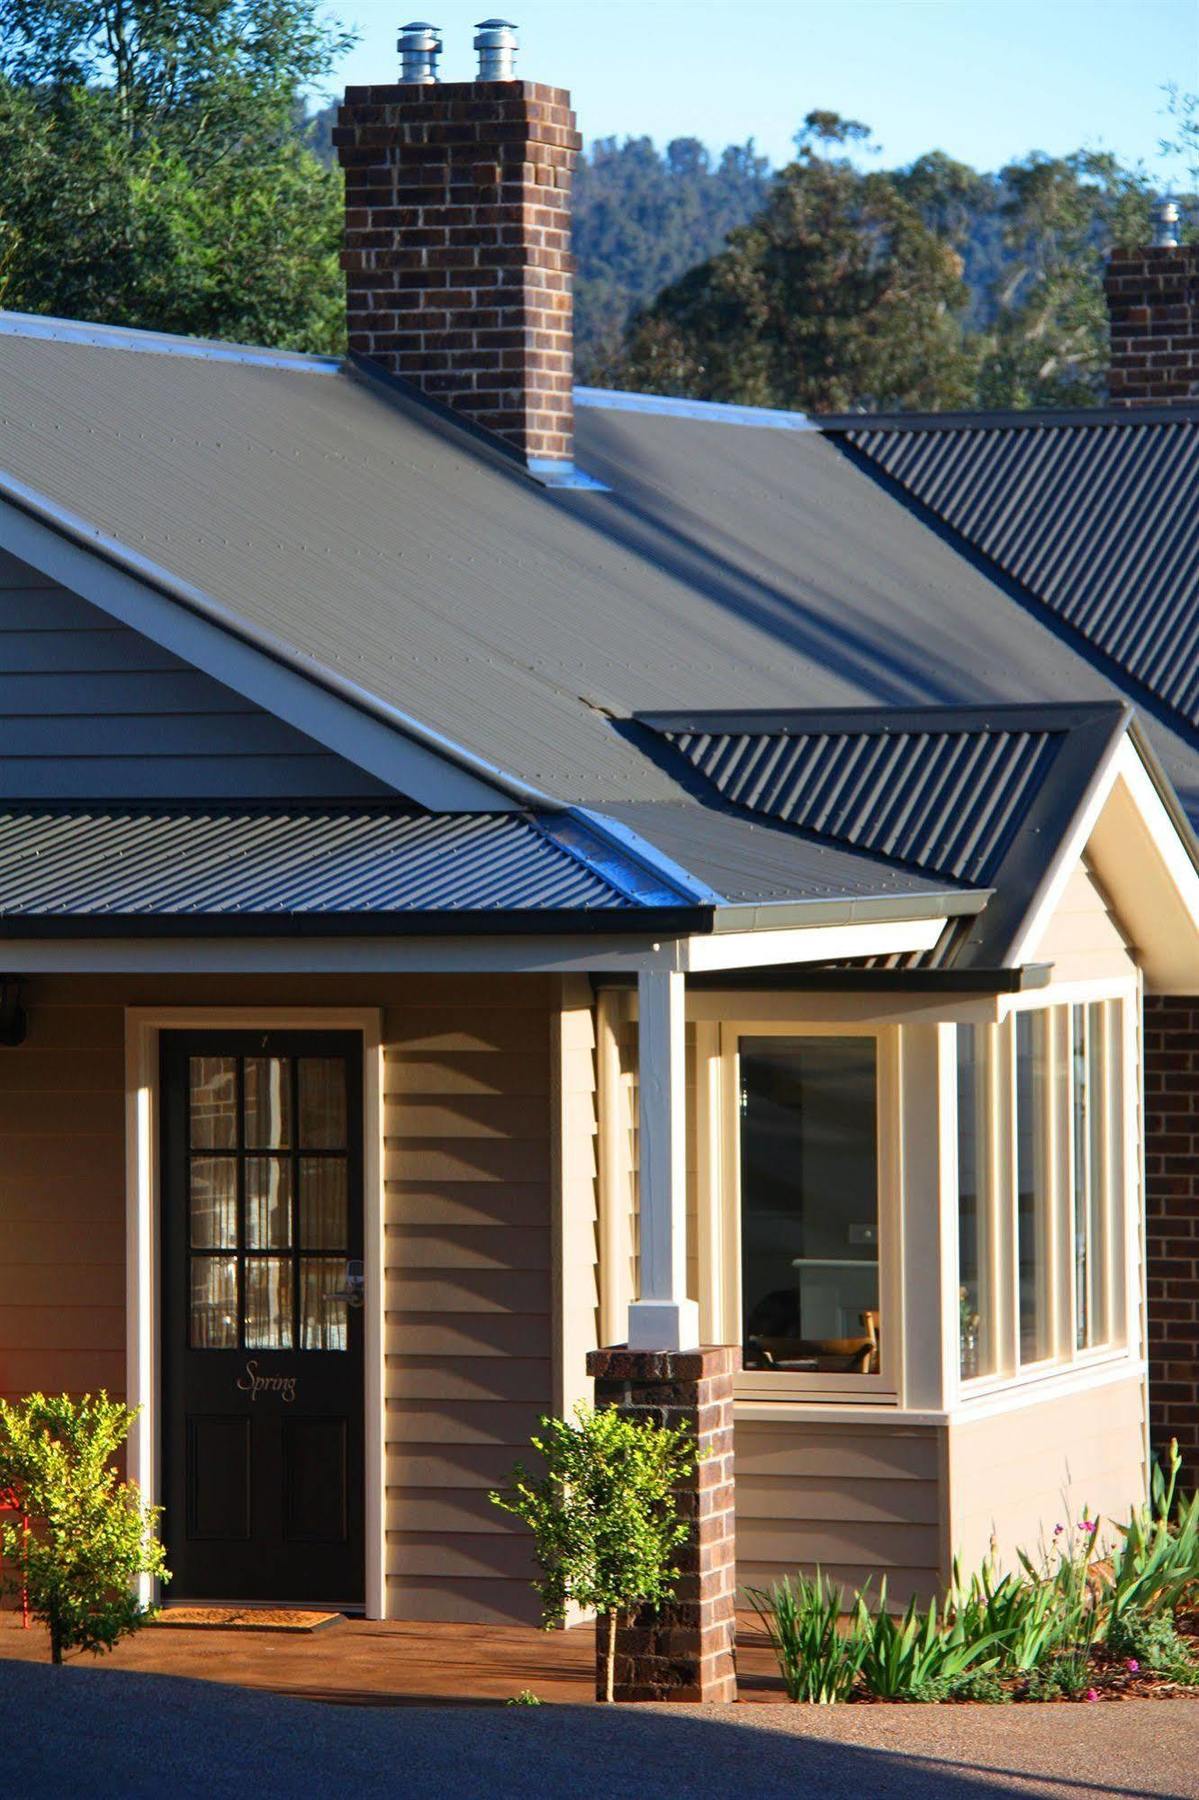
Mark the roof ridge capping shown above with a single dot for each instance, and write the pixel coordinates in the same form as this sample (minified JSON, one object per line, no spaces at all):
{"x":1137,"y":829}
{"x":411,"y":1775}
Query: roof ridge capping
{"x":712,"y":412}
{"x":875,"y":721}
{"x":162,"y":343}
{"x":1178,"y":412}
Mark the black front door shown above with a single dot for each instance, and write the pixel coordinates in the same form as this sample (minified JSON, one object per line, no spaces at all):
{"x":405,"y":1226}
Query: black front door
{"x":262,"y":1342}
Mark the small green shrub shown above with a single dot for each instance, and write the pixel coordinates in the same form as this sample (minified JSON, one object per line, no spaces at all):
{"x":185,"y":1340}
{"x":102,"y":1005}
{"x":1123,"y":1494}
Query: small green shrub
{"x":817,"y":1660}
{"x":604,"y":1519}
{"x":1151,"y":1642}
{"x":526,"y":1697}
{"x":91,"y":1535}
{"x":979,"y":1684}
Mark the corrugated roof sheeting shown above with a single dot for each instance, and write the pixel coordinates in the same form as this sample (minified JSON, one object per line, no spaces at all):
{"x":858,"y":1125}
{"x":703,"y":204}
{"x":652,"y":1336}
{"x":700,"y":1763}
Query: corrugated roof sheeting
{"x":947,"y":802}
{"x":1097,"y":520}
{"x":217,"y":862}
{"x":727,"y":567}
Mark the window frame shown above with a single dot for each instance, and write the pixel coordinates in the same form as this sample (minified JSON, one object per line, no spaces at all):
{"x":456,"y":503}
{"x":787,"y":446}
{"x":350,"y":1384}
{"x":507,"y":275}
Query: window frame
{"x":1120,"y":1144}
{"x":724,"y":1298}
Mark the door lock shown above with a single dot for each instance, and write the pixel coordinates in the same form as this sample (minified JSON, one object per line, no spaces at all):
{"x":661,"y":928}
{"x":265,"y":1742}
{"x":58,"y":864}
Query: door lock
{"x":354,"y":1291}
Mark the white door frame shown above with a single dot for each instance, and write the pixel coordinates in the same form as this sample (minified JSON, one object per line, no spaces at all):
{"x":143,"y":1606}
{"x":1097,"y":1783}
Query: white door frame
{"x":143,"y":1026}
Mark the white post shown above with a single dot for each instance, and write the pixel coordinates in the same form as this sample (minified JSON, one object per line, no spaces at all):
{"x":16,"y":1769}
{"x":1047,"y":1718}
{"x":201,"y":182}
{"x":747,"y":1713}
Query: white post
{"x":663,"y":1318}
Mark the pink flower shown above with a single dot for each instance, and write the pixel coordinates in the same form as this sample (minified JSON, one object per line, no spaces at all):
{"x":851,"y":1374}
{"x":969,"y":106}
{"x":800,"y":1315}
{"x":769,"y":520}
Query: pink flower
{"x":1058,"y":1530}
{"x":1092,"y":1693}
{"x":1133,"y":1666}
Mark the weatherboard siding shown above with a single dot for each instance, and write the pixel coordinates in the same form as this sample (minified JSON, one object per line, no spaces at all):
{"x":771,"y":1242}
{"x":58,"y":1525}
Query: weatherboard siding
{"x":858,"y":1500}
{"x":90,"y":710}
{"x":1082,"y":938}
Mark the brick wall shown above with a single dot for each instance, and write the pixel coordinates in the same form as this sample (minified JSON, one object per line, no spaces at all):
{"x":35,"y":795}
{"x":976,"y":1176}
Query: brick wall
{"x":1172,"y":1203}
{"x":1153,"y":306}
{"x":457,"y":248}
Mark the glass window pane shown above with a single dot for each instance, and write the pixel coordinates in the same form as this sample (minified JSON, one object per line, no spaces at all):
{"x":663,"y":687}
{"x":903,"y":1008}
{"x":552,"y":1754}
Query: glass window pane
{"x":268,"y":1102}
{"x":976,"y":1288}
{"x":1033,"y":1199}
{"x":1106,"y":1211}
{"x":809,"y":1204}
{"x":322,"y":1103}
{"x":324,"y":1314}
{"x":212,"y":1102}
{"x":1081,"y":1123}
{"x":323,"y":1210}
{"x":213,"y":1324}
{"x":212,"y":1202}
{"x":268,"y":1303}
{"x":268,"y":1202}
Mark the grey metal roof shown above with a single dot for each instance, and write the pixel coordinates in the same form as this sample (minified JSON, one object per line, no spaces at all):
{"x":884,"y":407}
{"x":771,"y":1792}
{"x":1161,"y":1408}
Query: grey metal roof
{"x":373,"y":545}
{"x":979,"y":795}
{"x":1095,"y":517}
{"x":231,"y":863}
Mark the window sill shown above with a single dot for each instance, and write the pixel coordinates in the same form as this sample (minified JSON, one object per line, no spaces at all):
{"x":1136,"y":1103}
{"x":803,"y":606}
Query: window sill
{"x":1047,"y":1382}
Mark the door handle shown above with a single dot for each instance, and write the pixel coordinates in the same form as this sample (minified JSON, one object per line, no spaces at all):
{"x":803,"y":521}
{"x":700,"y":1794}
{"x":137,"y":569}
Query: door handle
{"x":354,"y":1291}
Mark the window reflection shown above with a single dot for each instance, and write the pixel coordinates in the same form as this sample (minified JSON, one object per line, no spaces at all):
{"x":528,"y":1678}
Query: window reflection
{"x":268,"y":1320}
{"x":323,"y":1203}
{"x":212,"y":1110}
{"x":212,"y":1202}
{"x":213,"y":1322}
{"x":322,"y":1082}
{"x":1033,"y":1216}
{"x":809,"y":1204}
{"x":323,"y":1311}
{"x":976,"y":1325}
{"x":268,"y":1102}
{"x":268,"y":1202}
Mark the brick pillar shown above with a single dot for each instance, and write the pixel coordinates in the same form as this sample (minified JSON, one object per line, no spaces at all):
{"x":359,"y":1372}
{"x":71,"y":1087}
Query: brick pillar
{"x":457,"y":248}
{"x":1153,"y":306}
{"x":686,"y":1649}
{"x":1171,"y":1052}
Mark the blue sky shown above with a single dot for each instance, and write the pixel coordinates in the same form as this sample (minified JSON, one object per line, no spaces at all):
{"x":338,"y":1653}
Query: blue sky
{"x":985,"y":80}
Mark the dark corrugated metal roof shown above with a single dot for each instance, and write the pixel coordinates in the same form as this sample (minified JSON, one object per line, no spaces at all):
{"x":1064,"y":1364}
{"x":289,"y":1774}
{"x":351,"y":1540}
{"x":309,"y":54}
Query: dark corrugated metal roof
{"x":215,"y":862}
{"x":978,"y":795}
{"x":1096,"y":518}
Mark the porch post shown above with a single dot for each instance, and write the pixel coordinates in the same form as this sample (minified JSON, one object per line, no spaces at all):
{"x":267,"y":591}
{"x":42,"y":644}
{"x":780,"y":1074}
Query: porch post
{"x":685,"y":1649}
{"x":662,"y":1317}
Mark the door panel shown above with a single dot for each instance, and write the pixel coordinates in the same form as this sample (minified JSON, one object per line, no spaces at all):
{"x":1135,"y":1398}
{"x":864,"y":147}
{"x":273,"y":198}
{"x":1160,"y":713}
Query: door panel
{"x":262,"y":1327}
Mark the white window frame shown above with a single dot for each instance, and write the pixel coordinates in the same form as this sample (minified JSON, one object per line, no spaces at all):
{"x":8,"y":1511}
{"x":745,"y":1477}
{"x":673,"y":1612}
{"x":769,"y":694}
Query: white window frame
{"x":1057,"y":1149}
{"x":719,"y":1139}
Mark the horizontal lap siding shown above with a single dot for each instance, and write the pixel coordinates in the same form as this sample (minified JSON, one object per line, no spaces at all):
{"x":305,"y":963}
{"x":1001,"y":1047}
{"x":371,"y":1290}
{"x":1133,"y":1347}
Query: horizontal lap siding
{"x":861,"y":1501}
{"x":90,"y":710}
{"x":467,"y":1098}
{"x":62,"y":1202}
{"x":1083,"y":939}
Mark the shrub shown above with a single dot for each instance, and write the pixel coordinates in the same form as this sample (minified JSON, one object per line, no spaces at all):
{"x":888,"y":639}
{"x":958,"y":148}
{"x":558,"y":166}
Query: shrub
{"x":91,"y":1535}
{"x":1152,"y":1642}
{"x":918,"y":1656}
{"x":817,"y":1660}
{"x":604,"y":1520}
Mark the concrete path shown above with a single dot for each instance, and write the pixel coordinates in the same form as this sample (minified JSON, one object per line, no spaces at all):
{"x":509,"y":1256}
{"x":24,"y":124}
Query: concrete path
{"x":88,"y":1733}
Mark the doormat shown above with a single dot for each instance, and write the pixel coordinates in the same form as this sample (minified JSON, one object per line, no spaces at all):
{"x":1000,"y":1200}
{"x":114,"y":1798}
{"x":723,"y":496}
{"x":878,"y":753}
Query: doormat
{"x":245,"y":1618}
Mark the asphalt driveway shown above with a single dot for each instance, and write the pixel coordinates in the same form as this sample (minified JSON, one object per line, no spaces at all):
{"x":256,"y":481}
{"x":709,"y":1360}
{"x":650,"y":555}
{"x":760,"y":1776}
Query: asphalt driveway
{"x":92,"y":1733}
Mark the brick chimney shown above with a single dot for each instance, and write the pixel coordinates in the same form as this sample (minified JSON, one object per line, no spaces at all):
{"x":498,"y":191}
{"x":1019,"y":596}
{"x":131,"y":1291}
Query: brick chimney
{"x":1153,"y":306}
{"x":457,"y":238}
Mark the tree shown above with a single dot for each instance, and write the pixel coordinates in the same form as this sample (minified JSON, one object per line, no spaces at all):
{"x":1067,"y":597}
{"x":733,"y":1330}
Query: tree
{"x":838,"y":296}
{"x":91,"y":1535}
{"x":603,"y":1516}
{"x":151,"y":172}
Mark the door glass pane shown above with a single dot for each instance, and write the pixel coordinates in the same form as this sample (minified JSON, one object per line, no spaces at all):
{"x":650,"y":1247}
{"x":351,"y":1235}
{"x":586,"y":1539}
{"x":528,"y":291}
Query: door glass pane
{"x":1032,"y":1182}
{"x":212,"y":1200}
{"x":268,"y":1102}
{"x":212,"y":1102}
{"x":324,"y":1315}
{"x":213,"y":1303}
{"x":809,"y":1204}
{"x":268,"y":1202}
{"x":976,"y":1324}
{"x":322,"y":1103}
{"x":268,"y":1303}
{"x":323,"y":1203}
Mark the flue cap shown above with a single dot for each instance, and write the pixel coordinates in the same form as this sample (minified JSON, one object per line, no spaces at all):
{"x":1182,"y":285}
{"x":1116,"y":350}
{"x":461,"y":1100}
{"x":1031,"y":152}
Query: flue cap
{"x":1166,"y":237}
{"x":496,"y":44}
{"x":419,"y":45}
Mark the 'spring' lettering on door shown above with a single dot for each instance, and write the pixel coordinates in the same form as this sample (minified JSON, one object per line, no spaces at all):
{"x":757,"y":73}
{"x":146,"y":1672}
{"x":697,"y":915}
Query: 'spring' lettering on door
{"x":252,"y":1383}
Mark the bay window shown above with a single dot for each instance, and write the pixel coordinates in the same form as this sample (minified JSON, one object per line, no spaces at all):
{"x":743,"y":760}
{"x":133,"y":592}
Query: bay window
{"x":1046,"y":1224}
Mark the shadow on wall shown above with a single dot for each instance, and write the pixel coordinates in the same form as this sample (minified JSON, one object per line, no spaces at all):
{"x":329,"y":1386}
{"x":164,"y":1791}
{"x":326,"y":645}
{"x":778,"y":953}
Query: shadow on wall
{"x":148,"y":1735}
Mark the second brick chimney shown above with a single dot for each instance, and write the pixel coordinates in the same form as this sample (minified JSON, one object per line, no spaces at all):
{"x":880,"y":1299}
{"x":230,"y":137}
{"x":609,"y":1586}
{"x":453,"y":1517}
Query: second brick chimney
{"x":1153,"y":307}
{"x":457,"y":245}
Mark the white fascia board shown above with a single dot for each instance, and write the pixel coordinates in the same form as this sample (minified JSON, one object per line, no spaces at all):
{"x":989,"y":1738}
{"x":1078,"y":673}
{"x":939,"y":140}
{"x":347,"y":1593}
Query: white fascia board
{"x":1045,"y":900}
{"x":816,"y":943}
{"x":335,"y":955}
{"x":260,"y":672}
